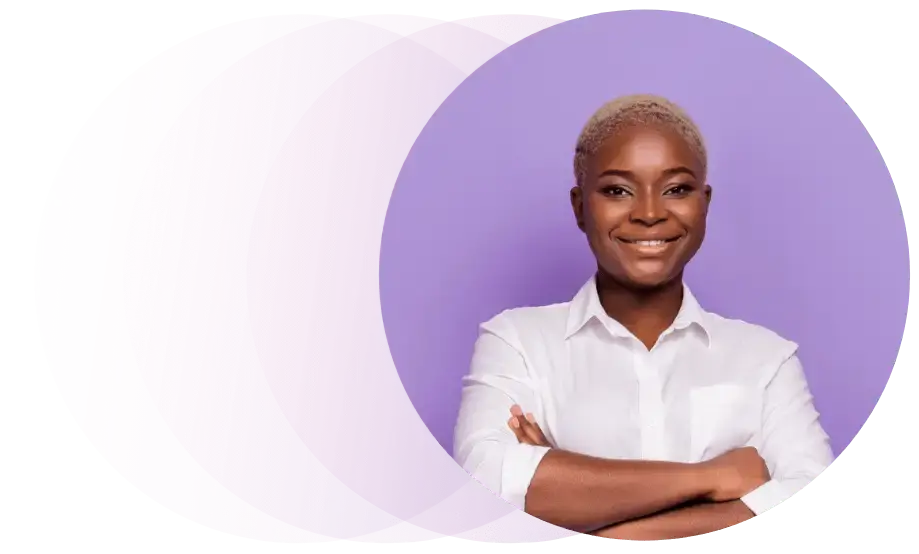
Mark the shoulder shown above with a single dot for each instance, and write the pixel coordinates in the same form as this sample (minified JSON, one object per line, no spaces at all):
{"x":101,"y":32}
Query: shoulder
{"x":741,"y":329}
{"x":525,"y":324}
{"x":752,"y":341}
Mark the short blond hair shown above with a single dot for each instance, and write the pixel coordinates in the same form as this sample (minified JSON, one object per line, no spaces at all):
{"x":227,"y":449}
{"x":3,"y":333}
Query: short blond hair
{"x":635,"y":109}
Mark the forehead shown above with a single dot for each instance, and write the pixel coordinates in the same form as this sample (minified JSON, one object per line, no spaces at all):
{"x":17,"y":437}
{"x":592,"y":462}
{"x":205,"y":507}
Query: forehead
{"x":646,"y":147}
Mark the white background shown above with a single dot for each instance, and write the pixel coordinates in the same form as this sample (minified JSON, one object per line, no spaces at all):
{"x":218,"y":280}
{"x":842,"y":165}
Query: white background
{"x":60,"y":61}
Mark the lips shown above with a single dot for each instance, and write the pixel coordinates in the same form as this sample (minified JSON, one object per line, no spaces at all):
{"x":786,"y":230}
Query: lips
{"x":648,"y":241}
{"x":648,"y":247}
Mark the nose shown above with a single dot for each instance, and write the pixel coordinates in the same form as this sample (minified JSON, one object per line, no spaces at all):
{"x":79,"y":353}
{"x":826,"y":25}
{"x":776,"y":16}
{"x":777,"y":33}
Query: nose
{"x":648,"y":210}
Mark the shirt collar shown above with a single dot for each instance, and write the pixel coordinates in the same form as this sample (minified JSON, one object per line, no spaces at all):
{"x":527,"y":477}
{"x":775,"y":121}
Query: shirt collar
{"x":586,"y":306}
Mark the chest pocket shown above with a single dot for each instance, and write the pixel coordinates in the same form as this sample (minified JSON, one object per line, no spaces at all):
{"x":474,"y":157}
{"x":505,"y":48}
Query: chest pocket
{"x":723,"y":417}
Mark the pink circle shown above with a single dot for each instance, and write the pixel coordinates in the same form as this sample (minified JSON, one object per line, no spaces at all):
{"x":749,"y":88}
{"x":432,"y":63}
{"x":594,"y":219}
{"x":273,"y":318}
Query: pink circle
{"x":205,"y":280}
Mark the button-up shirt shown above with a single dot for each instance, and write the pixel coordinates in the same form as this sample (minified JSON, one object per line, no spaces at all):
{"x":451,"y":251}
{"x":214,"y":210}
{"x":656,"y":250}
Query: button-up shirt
{"x":709,"y":385}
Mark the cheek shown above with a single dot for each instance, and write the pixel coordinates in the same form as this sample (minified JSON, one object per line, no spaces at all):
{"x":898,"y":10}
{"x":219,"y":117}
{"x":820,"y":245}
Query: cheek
{"x":698,"y":226}
{"x":597,"y":223}
{"x":697,"y":235}
{"x":700,"y":229}
{"x":603,"y":216}
{"x":691,"y":217}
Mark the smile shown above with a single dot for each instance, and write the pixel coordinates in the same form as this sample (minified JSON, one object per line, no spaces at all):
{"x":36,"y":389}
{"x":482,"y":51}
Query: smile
{"x":649,"y":247}
{"x":651,"y":242}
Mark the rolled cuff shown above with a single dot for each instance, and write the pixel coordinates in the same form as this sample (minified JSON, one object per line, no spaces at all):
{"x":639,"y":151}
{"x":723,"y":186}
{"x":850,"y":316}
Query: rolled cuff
{"x":766,"y":496}
{"x":517,"y":470}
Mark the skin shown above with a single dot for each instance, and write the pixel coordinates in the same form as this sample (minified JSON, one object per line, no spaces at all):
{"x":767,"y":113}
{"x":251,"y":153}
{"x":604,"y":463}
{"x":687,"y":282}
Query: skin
{"x":643,"y":184}
{"x":725,"y":478}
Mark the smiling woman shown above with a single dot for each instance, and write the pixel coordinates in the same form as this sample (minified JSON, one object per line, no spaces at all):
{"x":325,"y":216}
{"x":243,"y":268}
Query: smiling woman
{"x":630,"y":411}
{"x":641,"y":199}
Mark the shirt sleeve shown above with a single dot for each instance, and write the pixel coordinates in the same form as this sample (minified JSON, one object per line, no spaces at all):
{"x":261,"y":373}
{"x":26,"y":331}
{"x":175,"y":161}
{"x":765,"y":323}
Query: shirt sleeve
{"x":483,"y":444}
{"x":794,"y":445}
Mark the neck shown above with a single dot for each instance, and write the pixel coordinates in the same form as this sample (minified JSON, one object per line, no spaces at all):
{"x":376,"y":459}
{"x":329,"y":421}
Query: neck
{"x":646,"y":313}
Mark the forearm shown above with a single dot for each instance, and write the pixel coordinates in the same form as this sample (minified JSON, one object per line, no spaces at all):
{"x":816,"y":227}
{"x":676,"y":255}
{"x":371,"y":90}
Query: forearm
{"x":687,"y":521}
{"x":584,"y":493}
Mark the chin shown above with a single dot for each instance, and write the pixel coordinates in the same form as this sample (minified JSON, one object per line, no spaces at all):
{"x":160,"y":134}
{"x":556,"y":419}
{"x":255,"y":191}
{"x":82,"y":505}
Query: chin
{"x":649,"y":280}
{"x":642,"y":276}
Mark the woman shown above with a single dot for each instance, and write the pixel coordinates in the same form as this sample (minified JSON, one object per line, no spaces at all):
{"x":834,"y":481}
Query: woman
{"x":630,"y":411}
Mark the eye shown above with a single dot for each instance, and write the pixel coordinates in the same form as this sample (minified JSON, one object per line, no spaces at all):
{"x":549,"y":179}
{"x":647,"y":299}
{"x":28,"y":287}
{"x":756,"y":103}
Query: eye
{"x":615,"y":191}
{"x":680,"y":190}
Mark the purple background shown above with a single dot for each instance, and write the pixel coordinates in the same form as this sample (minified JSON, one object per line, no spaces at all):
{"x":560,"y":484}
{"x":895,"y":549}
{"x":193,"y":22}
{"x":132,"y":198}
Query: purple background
{"x":806,"y":235}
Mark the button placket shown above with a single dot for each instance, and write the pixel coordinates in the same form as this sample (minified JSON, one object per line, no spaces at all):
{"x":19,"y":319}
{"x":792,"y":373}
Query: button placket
{"x":650,"y":404}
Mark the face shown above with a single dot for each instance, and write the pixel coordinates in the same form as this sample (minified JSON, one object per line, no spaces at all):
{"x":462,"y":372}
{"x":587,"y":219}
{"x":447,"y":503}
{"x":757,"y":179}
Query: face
{"x":643,"y":206}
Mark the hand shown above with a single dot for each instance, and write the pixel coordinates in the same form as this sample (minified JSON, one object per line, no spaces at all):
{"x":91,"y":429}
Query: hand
{"x":525,"y":428}
{"x":684,"y":520}
{"x":627,"y":530}
{"x":735,"y":473}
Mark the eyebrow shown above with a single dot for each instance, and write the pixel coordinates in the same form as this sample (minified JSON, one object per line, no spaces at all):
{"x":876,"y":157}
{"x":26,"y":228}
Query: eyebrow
{"x":631,"y":176}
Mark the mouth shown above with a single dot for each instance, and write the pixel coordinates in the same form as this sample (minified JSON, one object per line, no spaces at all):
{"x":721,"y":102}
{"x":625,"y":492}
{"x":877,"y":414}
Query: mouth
{"x":648,"y":247}
{"x":649,"y":242}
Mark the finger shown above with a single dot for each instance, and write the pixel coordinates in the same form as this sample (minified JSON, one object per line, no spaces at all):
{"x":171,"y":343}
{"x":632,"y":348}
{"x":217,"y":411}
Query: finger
{"x":526,"y":423}
{"x":532,"y":430}
{"x":540,"y":436}
{"x":515,"y":427}
{"x":518,"y":418}
{"x":525,"y":432}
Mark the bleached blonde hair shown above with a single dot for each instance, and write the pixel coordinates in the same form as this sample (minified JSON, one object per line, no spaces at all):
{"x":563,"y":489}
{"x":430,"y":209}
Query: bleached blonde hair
{"x":627,"y":111}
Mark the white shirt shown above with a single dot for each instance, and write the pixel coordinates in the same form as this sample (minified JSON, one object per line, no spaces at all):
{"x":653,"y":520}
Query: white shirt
{"x":708,"y":385}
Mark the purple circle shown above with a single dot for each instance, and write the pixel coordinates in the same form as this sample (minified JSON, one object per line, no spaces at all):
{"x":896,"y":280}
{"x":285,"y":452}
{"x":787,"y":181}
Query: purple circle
{"x":806,"y":235}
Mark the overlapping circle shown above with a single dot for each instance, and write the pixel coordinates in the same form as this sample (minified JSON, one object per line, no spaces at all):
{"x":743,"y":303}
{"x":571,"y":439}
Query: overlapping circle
{"x":208,"y":277}
{"x":211,"y":281}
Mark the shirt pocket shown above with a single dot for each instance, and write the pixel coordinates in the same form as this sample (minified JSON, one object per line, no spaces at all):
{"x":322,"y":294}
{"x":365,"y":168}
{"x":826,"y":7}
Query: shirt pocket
{"x":722,"y":417}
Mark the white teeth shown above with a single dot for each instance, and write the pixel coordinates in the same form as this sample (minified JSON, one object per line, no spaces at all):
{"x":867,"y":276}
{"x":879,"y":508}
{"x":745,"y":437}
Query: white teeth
{"x":649,"y":242}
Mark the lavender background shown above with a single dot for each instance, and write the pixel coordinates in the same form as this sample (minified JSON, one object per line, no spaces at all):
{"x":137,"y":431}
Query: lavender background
{"x":806,"y":235}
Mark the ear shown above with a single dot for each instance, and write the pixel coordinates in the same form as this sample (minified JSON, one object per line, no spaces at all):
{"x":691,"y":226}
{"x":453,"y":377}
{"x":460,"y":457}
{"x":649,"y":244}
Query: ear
{"x":708,"y":194}
{"x":577,"y":205}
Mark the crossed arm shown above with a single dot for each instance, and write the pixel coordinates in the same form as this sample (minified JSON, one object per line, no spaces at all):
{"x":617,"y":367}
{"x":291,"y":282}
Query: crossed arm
{"x":625,"y":498}
{"x":661,"y":500}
